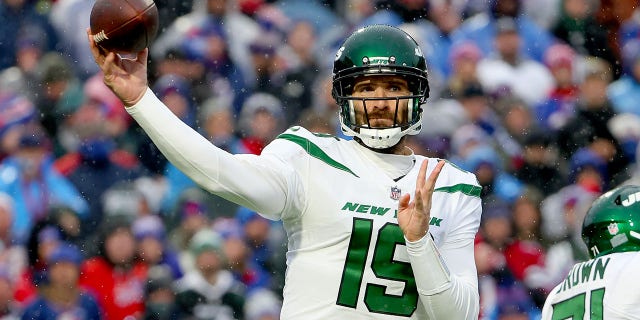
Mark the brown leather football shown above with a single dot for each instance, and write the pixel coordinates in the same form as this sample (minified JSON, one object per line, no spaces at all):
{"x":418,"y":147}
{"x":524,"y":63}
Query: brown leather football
{"x":124,"y":26}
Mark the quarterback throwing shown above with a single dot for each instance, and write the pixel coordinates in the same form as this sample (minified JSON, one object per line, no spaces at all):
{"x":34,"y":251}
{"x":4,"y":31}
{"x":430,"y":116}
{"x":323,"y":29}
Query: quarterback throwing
{"x":374,"y":230}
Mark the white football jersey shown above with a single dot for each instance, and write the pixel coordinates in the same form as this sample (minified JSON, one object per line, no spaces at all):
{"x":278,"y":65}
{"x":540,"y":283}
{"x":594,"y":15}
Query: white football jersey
{"x":347,"y":257}
{"x":602,"y":288}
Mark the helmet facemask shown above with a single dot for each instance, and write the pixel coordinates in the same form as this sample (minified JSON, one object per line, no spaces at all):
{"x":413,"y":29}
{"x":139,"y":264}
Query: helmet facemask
{"x":358,"y":122}
{"x":380,"y":51}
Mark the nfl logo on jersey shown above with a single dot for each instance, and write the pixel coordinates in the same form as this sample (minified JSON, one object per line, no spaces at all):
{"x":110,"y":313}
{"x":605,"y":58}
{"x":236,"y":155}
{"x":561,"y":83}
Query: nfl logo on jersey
{"x":395,"y":193}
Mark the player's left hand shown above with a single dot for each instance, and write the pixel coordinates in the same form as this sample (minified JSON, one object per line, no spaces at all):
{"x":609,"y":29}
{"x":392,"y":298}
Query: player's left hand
{"x":414,"y":216}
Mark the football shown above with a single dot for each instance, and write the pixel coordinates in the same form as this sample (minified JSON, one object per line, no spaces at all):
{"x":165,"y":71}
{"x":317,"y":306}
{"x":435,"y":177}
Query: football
{"x":124,"y":26}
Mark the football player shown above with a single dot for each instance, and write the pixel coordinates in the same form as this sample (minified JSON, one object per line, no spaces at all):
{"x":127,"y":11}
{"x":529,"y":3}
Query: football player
{"x":605,"y":287}
{"x":374,"y":230}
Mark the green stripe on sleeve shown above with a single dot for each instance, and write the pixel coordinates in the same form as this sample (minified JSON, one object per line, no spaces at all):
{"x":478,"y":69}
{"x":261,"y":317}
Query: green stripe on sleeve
{"x":467,"y":189}
{"x":313,"y":150}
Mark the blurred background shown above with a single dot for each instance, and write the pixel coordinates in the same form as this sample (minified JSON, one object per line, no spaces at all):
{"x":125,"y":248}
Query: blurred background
{"x":538,"y":98}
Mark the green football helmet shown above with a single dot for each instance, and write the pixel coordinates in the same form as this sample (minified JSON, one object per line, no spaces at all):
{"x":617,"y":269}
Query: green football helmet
{"x":380,"y":50}
{"x":612,"y":224}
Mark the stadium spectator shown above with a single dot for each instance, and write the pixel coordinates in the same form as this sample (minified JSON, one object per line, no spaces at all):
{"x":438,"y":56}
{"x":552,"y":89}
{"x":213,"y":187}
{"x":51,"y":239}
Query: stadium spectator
{"x":60,"y":95}
{"x":114,"y":276}
{"x":433,"y":34}
{"x":577,"y":26}
{"x":218,"y":124}
{"x":517,"y":123}
{"x":538,"y":168}
{"x":625,"y":128}
{"x":563,"y":211}
{"x":490,"y":263}
{"x":68,"y":223}
{"x":300,"y":70}
{"x":245,"y":253}
{"x":315,"y":121}
{"x":209,"y":291}
{"x":225,"y":16}
{"x":261,"y":120}
{"x":69,"y":19}
{"x":526,"y":254}
{"x":559,"y":106}
{"x":43,"y":239}
{"x":629,"y":28}
{"x":482,"y":29}
{"x":192,"y":216}
{"x":489,"y":169}
{"x":208,"y":45}
{"x":589,"y":125}
{"x":61,"y":296}
{"x":268,"y":64}
{"x":508,"y":69}
{"x":23,"y":76}
{"x":496,"y":279}
{"x":463,"y":60}
{"x":30,"y":178}
{"x":152,"y":246}
{"x":160,"y":297}
{"x":16,"y":110}
{"x":95,"y":161}
{"x":21,"y":18}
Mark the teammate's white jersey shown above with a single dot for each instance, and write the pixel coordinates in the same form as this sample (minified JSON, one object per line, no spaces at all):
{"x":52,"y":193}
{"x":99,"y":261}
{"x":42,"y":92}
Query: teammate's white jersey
{"x":347,"y":256}
{"x":602,"y":288}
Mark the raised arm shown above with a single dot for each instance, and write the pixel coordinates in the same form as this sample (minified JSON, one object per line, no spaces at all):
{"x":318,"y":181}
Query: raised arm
{"x":260,"y":183}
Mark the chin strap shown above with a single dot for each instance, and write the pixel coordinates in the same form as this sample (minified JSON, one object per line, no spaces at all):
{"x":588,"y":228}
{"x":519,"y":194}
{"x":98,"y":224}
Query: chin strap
{"x":380,"y":138}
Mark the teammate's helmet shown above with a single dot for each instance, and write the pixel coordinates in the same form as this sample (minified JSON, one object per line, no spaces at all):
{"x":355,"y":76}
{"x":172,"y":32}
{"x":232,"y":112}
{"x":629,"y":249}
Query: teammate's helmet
{"x":380,"y":50}
{"x":612,"y":224}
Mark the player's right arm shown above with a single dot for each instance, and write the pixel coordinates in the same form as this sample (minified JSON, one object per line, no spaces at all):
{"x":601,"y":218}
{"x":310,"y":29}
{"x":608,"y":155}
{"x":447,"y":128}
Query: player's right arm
{"x":262,"y":183}
{"x":259,"y":183}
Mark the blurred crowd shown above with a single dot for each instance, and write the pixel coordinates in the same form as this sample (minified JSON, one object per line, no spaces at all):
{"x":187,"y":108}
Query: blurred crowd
{"x":538,"y":98}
